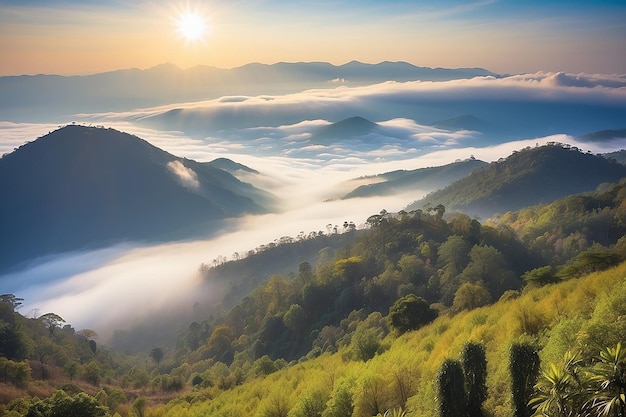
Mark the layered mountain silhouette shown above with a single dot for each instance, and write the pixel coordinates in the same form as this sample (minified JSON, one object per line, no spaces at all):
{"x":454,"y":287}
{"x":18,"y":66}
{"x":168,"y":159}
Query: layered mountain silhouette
{"x":422,"y":179}
{"x":531,"y":176}
{"x":53,"y":95}
{"x":81,"y":187}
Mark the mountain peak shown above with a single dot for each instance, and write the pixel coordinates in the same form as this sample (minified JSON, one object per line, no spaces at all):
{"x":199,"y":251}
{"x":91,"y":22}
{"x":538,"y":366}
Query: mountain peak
{"x":82,"y":186}
{"x":527,"y":177}
{"x":349,"y":128}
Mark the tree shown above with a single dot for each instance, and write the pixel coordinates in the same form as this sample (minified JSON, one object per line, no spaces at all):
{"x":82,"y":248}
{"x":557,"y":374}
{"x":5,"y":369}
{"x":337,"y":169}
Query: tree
{"x":294,"y":317}
{"x":220,"y":343}
{"x":475,"y":371}
{"x":341,"y":404}
{"x":62,"y":405}
{"x":365,"y":342}
{"x":305,"y":271}
{"x":71,"y":369}
{"x":470,"y":296}
{"x":310,"y":404}
{"x":12,"y":300}
{"x":14,"y":343}
{"x":594,"y":259}
{"x":451,"y":389}
{"x":488,"y":265}
{"x":452,"y":256}
{"x":51,"y":321}
{"x":524,"y":368}
{"x":410,"y":313}
{"x":156,"y":354}
{"x":93,"y":372}
{"x":88,"y":334}
{"x":540,"y":276}
{"x":138,"y":408}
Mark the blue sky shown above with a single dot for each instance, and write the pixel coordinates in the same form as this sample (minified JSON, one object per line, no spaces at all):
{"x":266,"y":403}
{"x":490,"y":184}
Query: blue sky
{"x":80,"y":37}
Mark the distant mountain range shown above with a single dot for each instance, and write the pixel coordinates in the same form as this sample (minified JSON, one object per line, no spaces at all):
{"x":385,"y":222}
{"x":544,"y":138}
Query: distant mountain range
{"x":530,"y":176}
{"x":53,"y":95}
{"x":422,"y":179}
{"x":82,"y":187}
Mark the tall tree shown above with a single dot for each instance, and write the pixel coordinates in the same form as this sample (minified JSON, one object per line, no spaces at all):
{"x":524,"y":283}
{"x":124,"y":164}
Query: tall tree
{"x":156,"y":354}
{"x":451,"y":389}
{"x":12,"y":300}
{"x":51,"y":321}
{"x":475,"y":371}
{"x":524,"y":367}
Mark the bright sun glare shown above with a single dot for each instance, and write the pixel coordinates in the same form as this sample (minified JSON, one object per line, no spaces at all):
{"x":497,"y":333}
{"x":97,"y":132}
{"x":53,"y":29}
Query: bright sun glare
{"x":191,"y":26}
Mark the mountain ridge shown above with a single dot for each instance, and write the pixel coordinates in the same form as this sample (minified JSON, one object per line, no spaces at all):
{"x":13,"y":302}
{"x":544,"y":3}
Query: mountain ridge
{"x":82,"y":186}
{"x":422,"y":179}
{"x":527,"y":177}
{"x":128,"y":89}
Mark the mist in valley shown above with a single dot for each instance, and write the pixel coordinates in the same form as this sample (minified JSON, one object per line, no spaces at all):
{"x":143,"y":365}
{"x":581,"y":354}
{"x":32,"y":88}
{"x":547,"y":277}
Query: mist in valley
{"x":136,"y":284}
{"x":132,"y":282}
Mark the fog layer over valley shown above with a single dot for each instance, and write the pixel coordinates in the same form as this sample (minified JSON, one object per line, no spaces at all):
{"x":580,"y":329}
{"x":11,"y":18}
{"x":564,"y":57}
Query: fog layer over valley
{"x":374,"y":129}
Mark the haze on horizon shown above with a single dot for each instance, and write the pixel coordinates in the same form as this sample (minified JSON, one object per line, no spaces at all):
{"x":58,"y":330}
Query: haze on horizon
{"x":506,"y":36}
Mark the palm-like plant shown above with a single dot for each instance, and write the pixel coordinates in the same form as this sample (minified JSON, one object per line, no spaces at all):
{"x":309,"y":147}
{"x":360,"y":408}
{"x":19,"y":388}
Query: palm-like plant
{"x":608,"y":375}
{"x":561,"y":391}
{"x":395,"y":412}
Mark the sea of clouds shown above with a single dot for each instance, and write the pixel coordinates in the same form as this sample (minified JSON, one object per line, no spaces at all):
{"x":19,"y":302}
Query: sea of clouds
{"x":272,"y":134}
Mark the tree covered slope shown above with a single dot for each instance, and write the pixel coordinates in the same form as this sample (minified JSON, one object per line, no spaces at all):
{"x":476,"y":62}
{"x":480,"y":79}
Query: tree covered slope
{"x":530,"y":176}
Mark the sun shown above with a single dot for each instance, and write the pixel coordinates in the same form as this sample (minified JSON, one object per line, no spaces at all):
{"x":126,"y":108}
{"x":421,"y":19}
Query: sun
{"x":191,"y":26}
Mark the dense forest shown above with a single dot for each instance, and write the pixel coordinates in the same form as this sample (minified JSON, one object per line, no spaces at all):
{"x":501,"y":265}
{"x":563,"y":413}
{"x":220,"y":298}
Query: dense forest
{"x":388,"y":318}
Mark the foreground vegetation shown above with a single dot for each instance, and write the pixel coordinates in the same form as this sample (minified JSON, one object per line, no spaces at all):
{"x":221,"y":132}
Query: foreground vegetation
{"x":366,"y":329}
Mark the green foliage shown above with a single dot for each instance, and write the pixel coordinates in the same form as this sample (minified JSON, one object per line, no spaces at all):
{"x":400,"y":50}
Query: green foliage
{"x":410,"y":313}
{"x":14,"y":343}
{"x":62,"y":405}
{"x":592,"y":260}
{"x":451,"y":390}
{"x":540,"y":276}
{"x":474,"y":363}
{"x":16,"y":373}
{"x":585,"y":387}
{"x":340,"y":404}
{"x":138,"y":409}
{"x":156,"y":354}
{"x":524,"y":368}
{"x":525,"y":178}
{"x":470,"y":296}
{"x":365,"y":343}
{"x":310,"y":404}
{"x":51,"y":321}
{"x":93,"y":373}
{"x":560,"y":391}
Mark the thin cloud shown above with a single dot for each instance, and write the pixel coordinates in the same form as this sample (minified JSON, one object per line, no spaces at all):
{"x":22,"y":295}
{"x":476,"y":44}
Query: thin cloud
{"x":187,"y":176}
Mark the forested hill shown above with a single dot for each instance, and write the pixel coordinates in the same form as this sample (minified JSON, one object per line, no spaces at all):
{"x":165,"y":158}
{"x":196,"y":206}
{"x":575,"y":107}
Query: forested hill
{"x":85,"y":186}
{"x":422,"y":179}
{"x":374,"y":319}
{"x":530,"y":176}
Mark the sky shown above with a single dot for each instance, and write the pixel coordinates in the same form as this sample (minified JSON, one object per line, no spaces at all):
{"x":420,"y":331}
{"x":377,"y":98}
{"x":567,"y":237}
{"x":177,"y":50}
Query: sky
{"x":71,"y":37}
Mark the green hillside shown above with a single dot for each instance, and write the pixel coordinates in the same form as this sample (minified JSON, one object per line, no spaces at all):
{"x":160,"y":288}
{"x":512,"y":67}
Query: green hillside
{"x":579,"y":315}
{"x":527,"y":177}
{"x":359,"y":329}
{"x":416,"y":180}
